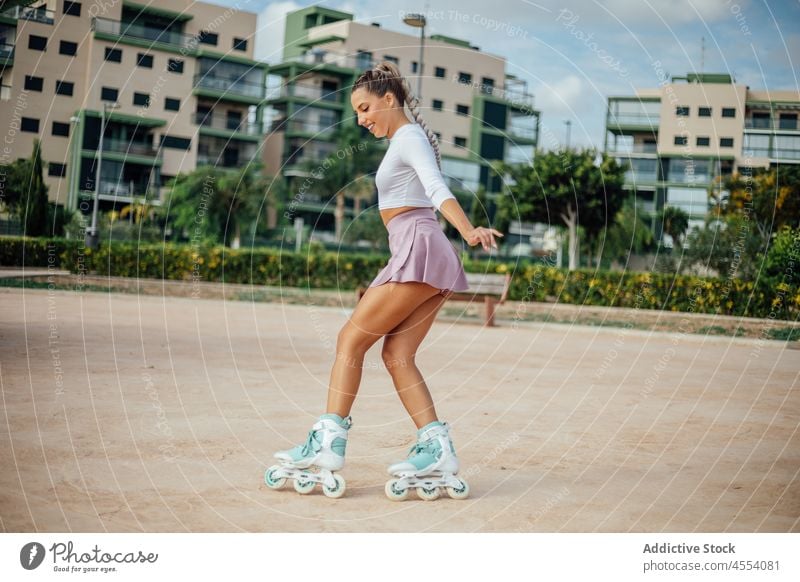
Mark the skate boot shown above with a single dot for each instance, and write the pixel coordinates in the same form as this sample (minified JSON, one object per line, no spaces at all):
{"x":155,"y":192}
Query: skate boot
{"x":432,"y":464}
{"x":324,"y":448}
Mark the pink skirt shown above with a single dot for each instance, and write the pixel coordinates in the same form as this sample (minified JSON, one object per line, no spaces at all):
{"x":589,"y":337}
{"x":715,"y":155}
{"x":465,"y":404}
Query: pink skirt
{"x":421,"y":252}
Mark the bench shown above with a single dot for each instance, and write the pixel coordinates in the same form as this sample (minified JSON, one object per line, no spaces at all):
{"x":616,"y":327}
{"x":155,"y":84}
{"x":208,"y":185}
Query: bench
{"x":493,"y":288}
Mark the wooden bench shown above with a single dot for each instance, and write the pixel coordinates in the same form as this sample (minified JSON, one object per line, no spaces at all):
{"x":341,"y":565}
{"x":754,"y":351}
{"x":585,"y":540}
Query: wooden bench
{"x":492,"y":287}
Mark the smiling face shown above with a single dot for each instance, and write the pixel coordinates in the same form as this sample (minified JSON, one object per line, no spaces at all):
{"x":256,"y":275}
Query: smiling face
{"x":380,"y":115}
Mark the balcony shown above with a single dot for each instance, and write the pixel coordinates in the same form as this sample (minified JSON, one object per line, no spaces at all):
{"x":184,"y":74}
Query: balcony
{"x":639,"y":148}
{"x":27,"y":13}
{"x":213,"y":121}
{"x":317,"y":129}
{"x":5,"y":92}
{"x":121,"y":192}
{"x":305,"y":91}
{"x":766,"y":123}
{"x":634,"y":120}
{"x":772,"y":153}
{"x":140,"y":33}
{"x":129,"y":147}
{"x":230,"y":86}
{"x":6,"y":54}
{"x":337,"y":59}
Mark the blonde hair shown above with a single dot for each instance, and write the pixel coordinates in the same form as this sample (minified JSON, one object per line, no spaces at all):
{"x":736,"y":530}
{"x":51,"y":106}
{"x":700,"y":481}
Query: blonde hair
{"x":385,"y":76}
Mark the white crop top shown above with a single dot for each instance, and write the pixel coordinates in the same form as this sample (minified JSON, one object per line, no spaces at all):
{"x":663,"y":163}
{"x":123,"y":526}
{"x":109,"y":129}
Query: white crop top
{"x":408,"y":174}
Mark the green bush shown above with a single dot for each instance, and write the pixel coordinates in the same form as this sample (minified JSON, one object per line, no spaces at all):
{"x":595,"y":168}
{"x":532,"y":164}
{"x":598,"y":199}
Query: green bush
{"x":322,"y":269}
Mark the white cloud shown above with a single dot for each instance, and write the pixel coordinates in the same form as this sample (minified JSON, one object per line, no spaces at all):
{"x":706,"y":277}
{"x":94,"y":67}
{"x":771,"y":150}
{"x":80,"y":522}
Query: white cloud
{"x":561,"y":97}
{"x":270,"y":31}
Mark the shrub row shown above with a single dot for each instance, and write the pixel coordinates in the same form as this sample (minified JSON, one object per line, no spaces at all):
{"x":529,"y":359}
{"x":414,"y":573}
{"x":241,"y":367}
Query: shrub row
{"x":315,"y":269}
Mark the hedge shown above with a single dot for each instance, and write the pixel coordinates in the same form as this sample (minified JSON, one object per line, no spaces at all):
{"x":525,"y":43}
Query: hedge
{"x":530,"y":282}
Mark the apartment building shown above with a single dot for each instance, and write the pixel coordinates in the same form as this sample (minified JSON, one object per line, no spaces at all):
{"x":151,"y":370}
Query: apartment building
{"x":479,"y":112}
{"x":681,"y":138}
{"x":174,"y":84}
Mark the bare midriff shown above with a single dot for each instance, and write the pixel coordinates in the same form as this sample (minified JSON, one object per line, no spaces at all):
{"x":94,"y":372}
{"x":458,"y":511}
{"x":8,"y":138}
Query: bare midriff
{"x":388,"y":213}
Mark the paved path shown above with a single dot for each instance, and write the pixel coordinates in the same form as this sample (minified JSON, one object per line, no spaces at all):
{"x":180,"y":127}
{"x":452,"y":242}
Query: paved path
{"x":142,"y":413}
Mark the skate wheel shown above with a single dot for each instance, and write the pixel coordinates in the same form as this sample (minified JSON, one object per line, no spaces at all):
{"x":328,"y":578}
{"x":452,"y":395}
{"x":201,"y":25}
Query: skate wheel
{"x":393,"y":493}
{"x":303,"y":487}
{"x":272,"y":481}
{"x":431,"y":494}
{"x":337,"y":491}
{"x":461,"y":492}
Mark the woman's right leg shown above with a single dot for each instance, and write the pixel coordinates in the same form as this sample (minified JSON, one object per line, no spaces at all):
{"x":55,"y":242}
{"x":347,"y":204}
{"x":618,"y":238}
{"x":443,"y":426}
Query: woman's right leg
{"x":379,"y":311}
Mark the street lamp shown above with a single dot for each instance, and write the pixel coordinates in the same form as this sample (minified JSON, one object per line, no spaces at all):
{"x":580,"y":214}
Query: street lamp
{"x":72,"y":202}
{"x":568,"y":123}
{"x":418,"y":21}
{"x":91,"y":237}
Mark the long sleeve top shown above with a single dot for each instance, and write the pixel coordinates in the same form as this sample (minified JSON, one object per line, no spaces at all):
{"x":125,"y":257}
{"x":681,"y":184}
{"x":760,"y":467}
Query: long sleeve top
{"x":408,"y":174}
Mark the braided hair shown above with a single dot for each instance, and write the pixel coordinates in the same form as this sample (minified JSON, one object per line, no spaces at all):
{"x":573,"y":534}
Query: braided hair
{"x":385,"y":76}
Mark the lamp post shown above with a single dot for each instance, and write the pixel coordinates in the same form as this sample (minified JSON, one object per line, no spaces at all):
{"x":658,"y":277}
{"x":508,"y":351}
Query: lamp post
{"x":418,"y":21}
{"x":568,"y":123}
{"x":91,"y":233}
{"x":72,"y":198}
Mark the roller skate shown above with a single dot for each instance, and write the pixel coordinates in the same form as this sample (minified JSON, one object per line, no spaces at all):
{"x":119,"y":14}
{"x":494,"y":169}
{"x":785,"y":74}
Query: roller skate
{"x":430,"y":467}
{"x":324,"y":448}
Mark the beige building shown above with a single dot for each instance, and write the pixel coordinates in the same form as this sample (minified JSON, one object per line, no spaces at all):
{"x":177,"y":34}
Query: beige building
{"x":175,"y":82}
{"x":479,"y":112}
{"x":683,"y":137}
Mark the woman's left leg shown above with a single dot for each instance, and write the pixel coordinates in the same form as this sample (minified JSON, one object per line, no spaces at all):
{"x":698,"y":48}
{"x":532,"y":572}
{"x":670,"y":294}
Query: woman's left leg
{"x":399,"y":350}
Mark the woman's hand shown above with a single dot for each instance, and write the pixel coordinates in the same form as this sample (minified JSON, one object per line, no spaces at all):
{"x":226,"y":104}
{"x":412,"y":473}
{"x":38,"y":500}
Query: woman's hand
{"x":482,"y":235}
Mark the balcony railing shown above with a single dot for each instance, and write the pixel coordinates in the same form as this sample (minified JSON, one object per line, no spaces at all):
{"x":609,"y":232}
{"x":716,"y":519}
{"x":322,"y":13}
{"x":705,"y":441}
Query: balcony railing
{"x":141,"y":32}
{"x":772,"y":153}
{"x":226,"y":123}
{"x":298,"y":125}
{"x":232,"y":86}
{"x":304,"y":90}
{"x":765,"y":123}
{"x":641,"y":119}
{"x":633,"y":149}
{"x":339,"y":59}
{"x":27,"y":13}
{"x":6,"y":52}
{"x":120,"y":190}
{"x":129,"y":147}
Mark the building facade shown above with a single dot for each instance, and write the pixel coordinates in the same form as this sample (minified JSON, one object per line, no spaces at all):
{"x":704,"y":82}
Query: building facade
{"x":690,"y":133}
{"x":174,"y":83}
{"x":479,"y":112}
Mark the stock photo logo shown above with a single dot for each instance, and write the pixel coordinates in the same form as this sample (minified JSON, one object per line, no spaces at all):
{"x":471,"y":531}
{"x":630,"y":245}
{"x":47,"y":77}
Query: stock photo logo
{"x":31,"y":555}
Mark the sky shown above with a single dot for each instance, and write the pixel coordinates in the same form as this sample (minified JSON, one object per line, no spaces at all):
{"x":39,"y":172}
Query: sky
{"x":574,"y":54}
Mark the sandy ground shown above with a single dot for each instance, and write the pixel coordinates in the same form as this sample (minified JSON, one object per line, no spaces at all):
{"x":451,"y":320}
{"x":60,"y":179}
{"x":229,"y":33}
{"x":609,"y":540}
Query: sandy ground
{"x":140,"y":413}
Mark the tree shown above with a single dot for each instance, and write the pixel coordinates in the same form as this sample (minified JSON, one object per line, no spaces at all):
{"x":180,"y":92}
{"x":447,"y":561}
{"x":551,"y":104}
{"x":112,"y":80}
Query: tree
{"x":210,"y":204}
{"x":675,"y":223}
{"x":344,"y":172}
{"x":571,"y":187}
{"x":629,"y":234}
{"x":770,"y":197}
{"x":731,"y":246}
{"x":34,"y":204}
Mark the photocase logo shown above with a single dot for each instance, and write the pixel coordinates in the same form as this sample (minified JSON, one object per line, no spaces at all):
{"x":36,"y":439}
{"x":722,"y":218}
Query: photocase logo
{"x":31,"y":555}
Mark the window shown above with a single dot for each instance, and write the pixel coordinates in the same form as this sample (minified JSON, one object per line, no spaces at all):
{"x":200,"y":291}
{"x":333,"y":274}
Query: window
{"x":29,"y":124}
{"x":142,"y":99}
{"x":438,"y":135}
{"x":64,"y":88}
{"x":461,"y":142}
{"x":704,"y":112}
{"x":113,"y":55}
{"x":144,"y":60}
{"x":206,"y":37}
{"x":391,"y":59}
{"x":239,"y":44}
{"x":462,"y":109}
{"x":788,"y":121}
{"x":67,"y":47}
{"x":681,"y":140}
{"x":726,"y":142}
{"x":311,"y":20}
{"x":728,"y":112}
{"x":703,"y":141}
{"x":72,"y":8}
{"x":57,"y":170}
{"x":171,"y":104}
{"x":464,"y":77}
{"x":37,"y":43}
{"x":437,"y":105}
{"x":109,"y":94}
{"x":363,"y":59}
{"x":414,"y":66}
{"x":487,"y":85}
{"x":440,"y":72}
{"x":179,"y":143}
{"x":682,"y":110}
{"x":33,"y":83}
{"x":60,"y":128}
{"x":175,"y":66}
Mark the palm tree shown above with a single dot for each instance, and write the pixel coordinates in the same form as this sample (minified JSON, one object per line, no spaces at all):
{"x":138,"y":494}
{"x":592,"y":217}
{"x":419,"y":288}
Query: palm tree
{"x":675,"y":223}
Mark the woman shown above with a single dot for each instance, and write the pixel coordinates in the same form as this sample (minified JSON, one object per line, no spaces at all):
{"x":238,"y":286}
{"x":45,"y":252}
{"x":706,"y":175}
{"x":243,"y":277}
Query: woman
{"x":401,"y":302}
